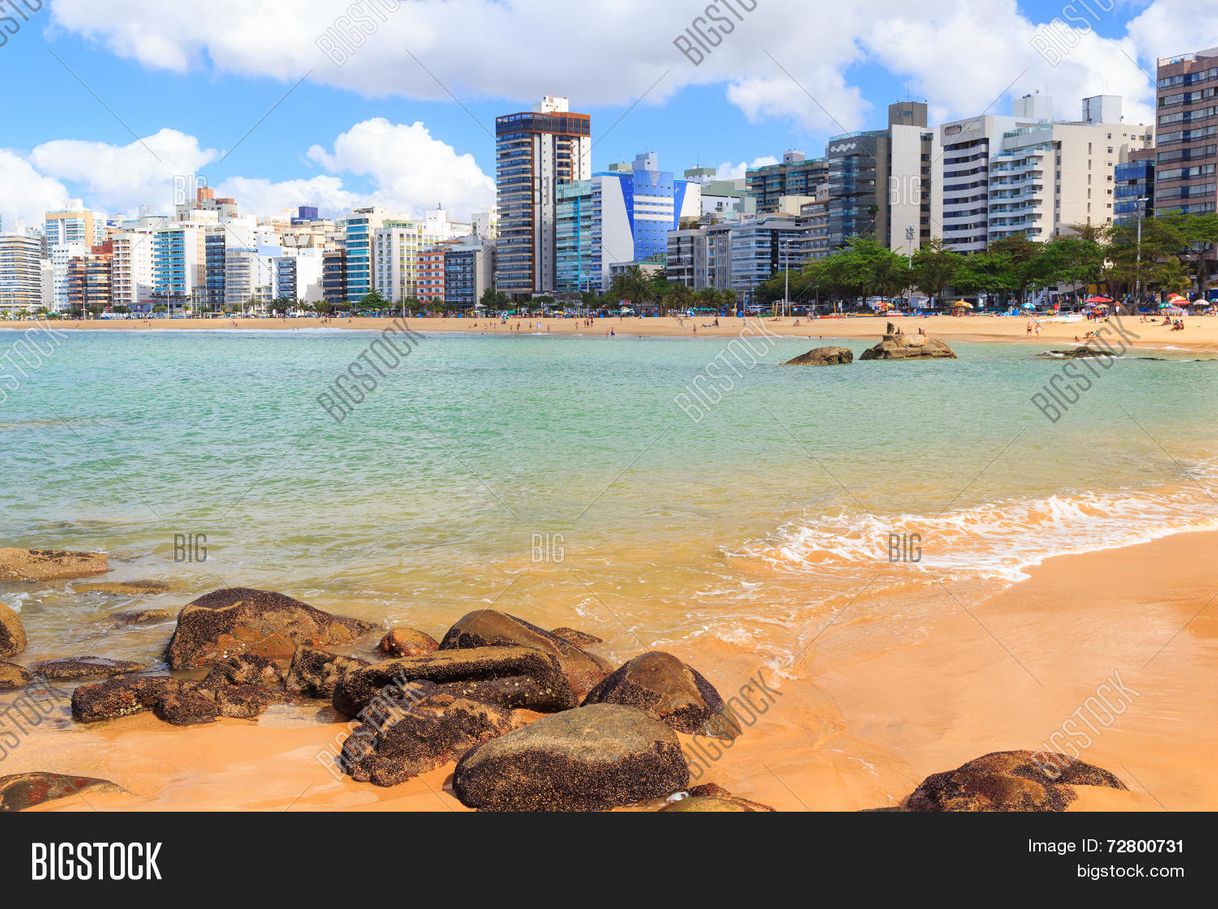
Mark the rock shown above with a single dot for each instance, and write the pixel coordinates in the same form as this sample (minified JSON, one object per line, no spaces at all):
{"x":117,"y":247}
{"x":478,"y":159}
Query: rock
{"x":404,"y":642}
{"x":823,"y":356}
{"x":49,"y":564}
{"x":590,"y":759}
{"x":239,"y":620}
{"x":25,"y":790}
{"x":116,"y":698}
{"x":12,"y":633}
{"x":245,"y":702}
{"x":669,"y":690}
{"x":13,"y":676}
{"x":1080,"y":353}
{"x":578,"y":638}
{"x":360,"y":686}
{"x":187,"y":706}
{"x":1009,"y":781}
{"x":146,"y":617}
{"x":126,"y":588}
{"x":86,"y":667}
{"x":514,"y":692}
{"x":316,"y":673}
{"x":488,"y":628}
{"x":424,"y":728}
{"x":246,"y":669}
{"x":909,"y":347}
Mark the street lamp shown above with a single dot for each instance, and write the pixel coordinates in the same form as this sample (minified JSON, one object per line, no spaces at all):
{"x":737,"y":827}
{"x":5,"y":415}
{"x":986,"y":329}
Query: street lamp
{"x":910,"y":233}
{"x":1137,"y":286}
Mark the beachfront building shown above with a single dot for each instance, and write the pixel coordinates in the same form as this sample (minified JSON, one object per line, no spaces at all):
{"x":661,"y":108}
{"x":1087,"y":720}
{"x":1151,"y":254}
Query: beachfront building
{"x":431,"y":274}
{"x":21,"y":273}
{"x":179,"y":272}
{"x":618,"y":218}
{"x":1186,"y":165}
{"x":469,"y":270}
{"x":69,"y":233}
{"x":1050,"y":178}
{"x":89,"y":280}
{"x":399,"y":245}
{"x":131,"y":282}
{"x":296,"y":274}
{"x":334,"y":277}
{"x":795,"y":175}
{"x":359,"y":239}
{"x":880,"y":181}
{"x":738,"y":255}
{"x":1135,"y":187}
{"x":536,"y":152}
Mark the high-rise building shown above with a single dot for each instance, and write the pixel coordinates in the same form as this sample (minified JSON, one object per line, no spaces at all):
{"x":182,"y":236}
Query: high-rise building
{"x":89,"y":280}
{"x":738,"y":255}
{"x":398,"y":246}
{"x":795,"y":175}
{"x":535,"y":153}
{"x":69,"y":233}
{"x":131,"y":283}
{"x":359,"y":232}
{"x":179,"y":271}
{"x":1135,"y":187}
{"x":20,"y":272}
{"x":469,"y":269}
{"x":334,"y":277}
{"x":431,"y":273}
{"x":1187,"y":157}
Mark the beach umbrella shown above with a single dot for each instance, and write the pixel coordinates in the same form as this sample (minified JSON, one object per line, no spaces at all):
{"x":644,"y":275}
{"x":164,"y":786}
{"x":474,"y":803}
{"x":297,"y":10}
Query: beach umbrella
{"x":1098,"y":300}
{"x":1029,"y":306}
{"x":962,"y":304}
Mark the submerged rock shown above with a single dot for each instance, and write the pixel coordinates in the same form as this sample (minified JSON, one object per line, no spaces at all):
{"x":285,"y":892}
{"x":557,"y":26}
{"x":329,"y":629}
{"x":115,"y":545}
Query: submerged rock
{"x":126,"y":588}
{"x":145,"y":617}
{"x":1009,"y":781}
{"x":241,"y":620}
{"x":86,"y":667}
{"x":823,"y":356}
{"x":547,"y":688}
{"x":316,"y":673}
{"x":590,"y":759}
{"x":49,"y":564}
{"x":488,"y":628}
{"x":13,"y":676}
{"x":909,"y":347}
{"x":25,"y":790}
{"x":12,"y":633}
{"x":669,"y":690}
{"x":404,"y":642}
{"x":424,"y":728}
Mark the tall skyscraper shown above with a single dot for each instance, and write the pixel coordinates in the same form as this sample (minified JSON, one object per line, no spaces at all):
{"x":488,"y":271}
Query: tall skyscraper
{"x":535,"y":153}
{"x":1185,"y":170}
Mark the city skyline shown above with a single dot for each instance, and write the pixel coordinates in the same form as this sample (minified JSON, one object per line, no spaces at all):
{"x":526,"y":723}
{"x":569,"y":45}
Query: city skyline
{"x":129,"y":111}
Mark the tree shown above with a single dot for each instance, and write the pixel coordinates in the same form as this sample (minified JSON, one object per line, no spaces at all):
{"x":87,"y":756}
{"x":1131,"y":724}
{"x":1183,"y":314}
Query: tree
{"x":934,"y":267}
{"x":374,"y":302}
{"x":494,"y":300}
{"x":1020,"y":257}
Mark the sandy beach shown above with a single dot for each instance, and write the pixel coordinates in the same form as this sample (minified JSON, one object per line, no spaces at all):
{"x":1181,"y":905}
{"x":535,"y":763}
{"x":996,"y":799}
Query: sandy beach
{"x":854,"y":728}
{"x":1200,"y":333}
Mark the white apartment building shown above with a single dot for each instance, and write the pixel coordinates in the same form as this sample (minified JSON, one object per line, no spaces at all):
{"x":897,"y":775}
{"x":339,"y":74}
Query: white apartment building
{"x":131,"y":268}
{"x":21,"y":272}
{"x":296,"y":275}
{"x":70,"y":232}
{"x":396,"y":248}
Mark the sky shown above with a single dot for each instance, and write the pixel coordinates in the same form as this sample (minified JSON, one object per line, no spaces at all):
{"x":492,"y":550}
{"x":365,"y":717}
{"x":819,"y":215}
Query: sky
{"x":281,"y":103}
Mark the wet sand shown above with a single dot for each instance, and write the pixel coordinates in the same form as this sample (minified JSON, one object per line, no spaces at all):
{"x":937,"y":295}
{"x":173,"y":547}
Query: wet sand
{"x":861,"y":720}
{"x":1201,"y":332}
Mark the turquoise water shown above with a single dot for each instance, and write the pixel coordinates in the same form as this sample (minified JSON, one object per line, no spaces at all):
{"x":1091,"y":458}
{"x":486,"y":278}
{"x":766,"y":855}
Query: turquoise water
{"x":558,"y":478}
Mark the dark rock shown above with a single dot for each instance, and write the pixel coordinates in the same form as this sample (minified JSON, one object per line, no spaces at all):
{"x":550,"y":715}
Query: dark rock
{"x":86,"y":667}
{"x":13,"y":676}
{"x":576,"y":637}
{"x":25,"y":790}
{"x":909,"y":347}
{"x":1080,"y":353}
{"x":590,"y":759}
{"x":514,"y":692}
{"x":360,"y":686}
{"x":404,"y":642}
{"x":12,"y":632}
{"x":1009,"y":781}
{"x":246,"y":669}
{"x":245,"y":702}
{"x":187,"y":706}
{"x":823,"y":356}
{"x":424,"y":728}
{"x":49,"y":564}
{"x":488,"y":628}
{"x":669,"y":690}
{"x":116,"y":698}
{"x":316,"y":673}
{"x":146,"y":617}
{"x":126,"y":588}
{"x":241,"y":620}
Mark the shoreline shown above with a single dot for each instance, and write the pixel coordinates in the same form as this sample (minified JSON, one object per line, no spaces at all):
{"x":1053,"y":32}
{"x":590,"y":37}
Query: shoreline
{"x":1200,"y":334}
{"x":863,"y":721}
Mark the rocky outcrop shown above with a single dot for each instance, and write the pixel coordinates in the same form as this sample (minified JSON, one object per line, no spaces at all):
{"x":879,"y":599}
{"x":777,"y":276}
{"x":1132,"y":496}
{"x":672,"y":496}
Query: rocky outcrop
{"x":246,"y":669}
{"x":488,"y":628}
{"x":117,"y":698}
{"x":590,"y":759}
{"x":909,"y":347}
{"x":182,"y":703}
{"x":669,"y":690}
{"x":710,"y":797}
{"x":423,"y":728}
{"x":127,"y":588}
{"x":406,"y":642}
{"x":578,"y":638}
{"x":145,"y":617}
{"x":13,"y":676}
{"x":25,"y":790}
{"x":824,"y":356}
{"x":1009,"y":781}
{"x":186,"y":705}
{"x":86,"y":667}
{"x":49,"y":564}
{"x":316,"y":673}
{"x":532,"y":678}
{"x":12,"y":633}
{"x":241,"y":620}
{"x":1080,"y":353}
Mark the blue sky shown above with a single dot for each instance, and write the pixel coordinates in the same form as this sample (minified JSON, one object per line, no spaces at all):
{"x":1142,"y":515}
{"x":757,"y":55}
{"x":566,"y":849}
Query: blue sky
{"x":757,"y":95}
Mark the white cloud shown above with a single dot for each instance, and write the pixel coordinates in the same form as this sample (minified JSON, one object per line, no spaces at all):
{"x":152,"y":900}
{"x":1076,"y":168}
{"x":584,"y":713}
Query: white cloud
{"x":25,"y":194}
{"x":786,"y":59}
{"x":729,"y":170}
